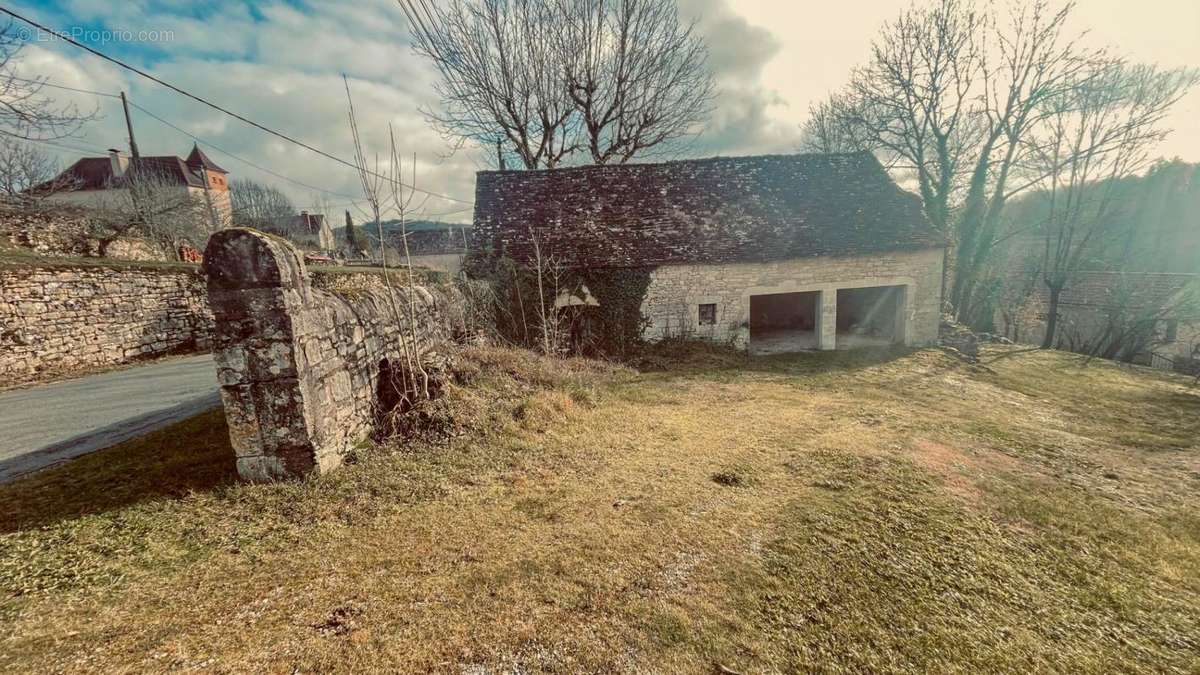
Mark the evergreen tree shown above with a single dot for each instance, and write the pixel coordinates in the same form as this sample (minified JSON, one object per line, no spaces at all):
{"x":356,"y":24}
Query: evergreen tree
{"x":356,"y":240}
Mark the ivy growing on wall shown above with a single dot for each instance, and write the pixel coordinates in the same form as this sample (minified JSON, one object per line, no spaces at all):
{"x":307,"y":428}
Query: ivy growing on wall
{"x":618,"y":320}
{"x":613,"y":328}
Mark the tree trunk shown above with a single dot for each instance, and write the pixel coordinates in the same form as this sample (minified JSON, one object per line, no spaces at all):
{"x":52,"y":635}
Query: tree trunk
{"x":1052,"y":318}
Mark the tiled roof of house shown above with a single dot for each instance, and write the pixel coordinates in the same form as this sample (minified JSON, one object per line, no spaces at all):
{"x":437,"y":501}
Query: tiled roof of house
{"x":197,"y":159}
{"x":95,"y":173}
{"x":725,"y":209}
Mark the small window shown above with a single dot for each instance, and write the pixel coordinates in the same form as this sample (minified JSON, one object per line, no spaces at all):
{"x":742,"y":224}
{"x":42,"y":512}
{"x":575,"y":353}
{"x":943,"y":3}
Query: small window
{"x":708,"y":314}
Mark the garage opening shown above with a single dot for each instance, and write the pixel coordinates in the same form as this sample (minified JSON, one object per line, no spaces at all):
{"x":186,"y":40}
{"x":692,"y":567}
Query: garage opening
{"x":783,"y":322}
{"x":870,"y":317}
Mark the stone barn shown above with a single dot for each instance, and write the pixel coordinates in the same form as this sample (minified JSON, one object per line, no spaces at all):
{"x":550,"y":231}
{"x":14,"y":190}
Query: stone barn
{"x":772,"y":253}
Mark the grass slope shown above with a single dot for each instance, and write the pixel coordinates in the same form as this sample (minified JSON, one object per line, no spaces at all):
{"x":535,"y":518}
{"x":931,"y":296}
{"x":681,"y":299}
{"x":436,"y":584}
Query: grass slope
{"x":879,"y":511}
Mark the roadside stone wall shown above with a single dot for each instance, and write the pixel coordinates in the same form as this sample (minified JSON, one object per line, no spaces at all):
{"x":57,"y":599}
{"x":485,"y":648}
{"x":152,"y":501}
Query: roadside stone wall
{"x":58,"y":320}
{"x":304,"y":372}
{"x":676,"y":292}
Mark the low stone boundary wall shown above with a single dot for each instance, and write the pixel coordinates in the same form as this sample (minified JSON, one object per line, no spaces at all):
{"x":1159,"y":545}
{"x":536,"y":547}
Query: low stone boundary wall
{"x":302,"y":369}
{"x":66,"y":319}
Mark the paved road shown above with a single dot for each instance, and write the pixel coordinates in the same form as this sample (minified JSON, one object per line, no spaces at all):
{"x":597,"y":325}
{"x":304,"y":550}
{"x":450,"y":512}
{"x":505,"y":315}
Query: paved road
{"x":52,"y":423}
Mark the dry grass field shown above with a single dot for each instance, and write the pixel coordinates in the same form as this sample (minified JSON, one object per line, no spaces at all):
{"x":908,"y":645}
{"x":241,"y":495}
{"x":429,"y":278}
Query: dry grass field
{"x":875,"y":511}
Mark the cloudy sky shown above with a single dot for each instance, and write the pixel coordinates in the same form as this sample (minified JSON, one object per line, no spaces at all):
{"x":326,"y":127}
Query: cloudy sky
{"x":280,"y":63}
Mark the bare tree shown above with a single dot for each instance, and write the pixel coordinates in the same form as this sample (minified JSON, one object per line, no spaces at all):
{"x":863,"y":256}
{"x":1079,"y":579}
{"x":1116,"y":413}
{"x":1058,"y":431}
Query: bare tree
{"x":830,"y":128}
{"x":1031,"y":60}
{"x":913,"y":100}
{"x":261,"y":206}
{"x":543,"y":79}
{"x":25,"y":111}
{"x":501,"y":82}
{"x":150,"y":205}
{"x":23,"y":166}
{"x":947,"y":96}
{"x":1094,"y":134}
{"x":378,"y":188}
{"x":637,"y":75}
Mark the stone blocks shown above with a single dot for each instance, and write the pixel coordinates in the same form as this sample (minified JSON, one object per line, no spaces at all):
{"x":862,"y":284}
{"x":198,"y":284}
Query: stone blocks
{"x":299,"y":367}
{"x":64,"y":318}
{"x":676,"y":291}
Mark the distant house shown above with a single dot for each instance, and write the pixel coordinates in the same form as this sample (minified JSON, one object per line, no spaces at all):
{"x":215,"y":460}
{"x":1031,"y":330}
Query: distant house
{"x":1139,"y":317}
{"x":773,"y":253}
{"x":437,"y":245}
{"x":312,"y":228}
{"x":101,"y":181}
{"x":432,"y":244}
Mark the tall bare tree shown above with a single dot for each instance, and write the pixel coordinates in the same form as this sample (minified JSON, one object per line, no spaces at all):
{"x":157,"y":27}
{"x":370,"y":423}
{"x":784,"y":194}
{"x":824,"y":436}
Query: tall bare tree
{"x":501,"y":83}
{"x":1031,"y":59}
{"x":543,"y":79}
{"x":1094,"y":134}
{"x":637,"y":75}
{"x":949,"y":92}
{"x":25,"y":111}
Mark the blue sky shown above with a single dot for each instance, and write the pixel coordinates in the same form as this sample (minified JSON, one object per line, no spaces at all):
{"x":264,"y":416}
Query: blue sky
{"x":281,"y":62}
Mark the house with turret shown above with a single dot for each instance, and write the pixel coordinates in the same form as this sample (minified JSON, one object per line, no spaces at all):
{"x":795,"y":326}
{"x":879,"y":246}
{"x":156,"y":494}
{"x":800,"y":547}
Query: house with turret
{"x":100,"y":182}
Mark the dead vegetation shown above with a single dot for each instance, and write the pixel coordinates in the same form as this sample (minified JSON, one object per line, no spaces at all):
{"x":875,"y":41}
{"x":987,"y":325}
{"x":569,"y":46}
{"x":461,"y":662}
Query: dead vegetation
{"x":871,"y":511}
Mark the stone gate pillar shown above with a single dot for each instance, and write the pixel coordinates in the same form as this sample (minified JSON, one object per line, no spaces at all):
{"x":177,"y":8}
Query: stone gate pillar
{"x":306,"y":372}
{"x":257,"y":287}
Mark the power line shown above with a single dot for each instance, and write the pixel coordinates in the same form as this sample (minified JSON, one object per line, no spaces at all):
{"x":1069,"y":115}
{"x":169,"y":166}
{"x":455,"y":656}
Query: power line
{"x":55,"y":143}
{"x":43,"y":83}
{"x":244,"y":161}
{"x":214,"y":106}
{"x":354,"y":201}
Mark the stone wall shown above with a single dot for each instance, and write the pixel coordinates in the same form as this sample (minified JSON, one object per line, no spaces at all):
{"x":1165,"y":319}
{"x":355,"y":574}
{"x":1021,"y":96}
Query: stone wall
{"x":63,"y":319}
{"x":304,"y":372}
{"x":676,"y":292}
{"x":60,"y":230}
{"x":71,"y":318}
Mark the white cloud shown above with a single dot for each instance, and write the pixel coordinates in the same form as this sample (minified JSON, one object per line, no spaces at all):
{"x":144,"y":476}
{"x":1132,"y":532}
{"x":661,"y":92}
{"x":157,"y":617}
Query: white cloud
{"x":281,"y":65}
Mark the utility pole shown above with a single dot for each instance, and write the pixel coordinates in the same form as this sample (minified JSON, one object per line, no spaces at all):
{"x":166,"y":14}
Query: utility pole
{"x":133,"y":163}
{"x":133,"y":150}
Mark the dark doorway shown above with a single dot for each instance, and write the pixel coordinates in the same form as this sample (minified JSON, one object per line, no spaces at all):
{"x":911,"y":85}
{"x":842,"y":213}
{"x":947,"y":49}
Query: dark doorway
{"x":784,"y":322}
{"x":869,"y":317}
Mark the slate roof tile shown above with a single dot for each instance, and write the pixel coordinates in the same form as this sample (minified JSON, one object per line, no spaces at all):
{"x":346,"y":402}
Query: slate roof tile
{"x":724,"y":209}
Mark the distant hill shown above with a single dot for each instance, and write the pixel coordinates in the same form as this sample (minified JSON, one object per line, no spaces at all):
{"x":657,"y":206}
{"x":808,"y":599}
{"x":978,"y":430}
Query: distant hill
{"x":1155,"y":226}
{"x":424,"y":236}
{"x":391,"y":227}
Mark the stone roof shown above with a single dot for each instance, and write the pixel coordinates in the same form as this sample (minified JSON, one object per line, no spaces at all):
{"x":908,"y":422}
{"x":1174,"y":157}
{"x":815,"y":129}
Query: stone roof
{"x":1112,"y":290}
{"x":725,"y":209}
